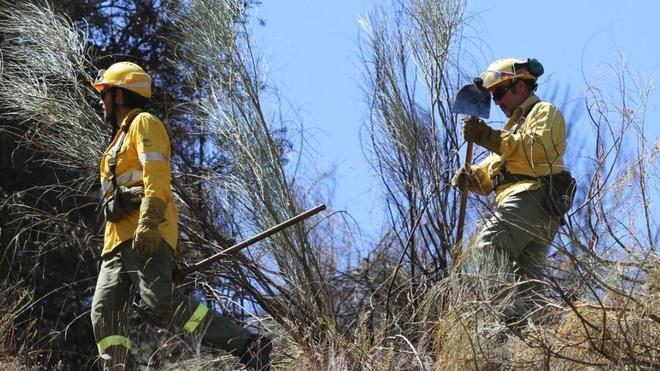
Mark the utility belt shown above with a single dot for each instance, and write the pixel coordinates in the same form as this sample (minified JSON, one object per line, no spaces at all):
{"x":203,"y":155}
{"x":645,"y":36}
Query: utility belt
{"x":506,"y":177}
{"x":559,"y":189}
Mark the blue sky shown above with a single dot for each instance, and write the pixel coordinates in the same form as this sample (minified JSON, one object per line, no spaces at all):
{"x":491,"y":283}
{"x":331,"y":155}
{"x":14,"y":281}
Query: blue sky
{"x":313,"y":59}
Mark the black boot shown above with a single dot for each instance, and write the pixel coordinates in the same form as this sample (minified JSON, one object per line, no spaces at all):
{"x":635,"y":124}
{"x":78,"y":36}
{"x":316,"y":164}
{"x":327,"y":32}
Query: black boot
{"x":256,"y":355}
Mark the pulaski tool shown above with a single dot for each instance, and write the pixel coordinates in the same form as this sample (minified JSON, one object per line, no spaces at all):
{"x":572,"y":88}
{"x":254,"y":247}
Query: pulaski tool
{"x":472,"y":100}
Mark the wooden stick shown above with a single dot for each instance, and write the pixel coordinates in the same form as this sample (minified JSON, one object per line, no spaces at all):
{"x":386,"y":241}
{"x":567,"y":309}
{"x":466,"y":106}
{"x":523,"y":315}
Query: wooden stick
{"x":256,"y":238}
{"x":463,"y":204}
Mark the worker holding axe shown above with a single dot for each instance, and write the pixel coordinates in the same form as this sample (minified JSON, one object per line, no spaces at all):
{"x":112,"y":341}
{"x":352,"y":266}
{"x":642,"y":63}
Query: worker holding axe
{"x":525,"y":170}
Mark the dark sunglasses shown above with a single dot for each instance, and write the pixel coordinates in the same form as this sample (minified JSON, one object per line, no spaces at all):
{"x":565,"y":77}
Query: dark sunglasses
{"x":501,"y":91}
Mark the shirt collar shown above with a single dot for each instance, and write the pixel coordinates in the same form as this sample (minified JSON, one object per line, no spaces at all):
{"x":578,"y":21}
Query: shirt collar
{"x":131,"y":115}
{"x":525,"y":107}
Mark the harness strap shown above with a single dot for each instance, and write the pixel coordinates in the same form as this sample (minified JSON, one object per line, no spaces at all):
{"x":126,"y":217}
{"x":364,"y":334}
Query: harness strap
{"x":504,"y":176}
{"x":115,"y":153}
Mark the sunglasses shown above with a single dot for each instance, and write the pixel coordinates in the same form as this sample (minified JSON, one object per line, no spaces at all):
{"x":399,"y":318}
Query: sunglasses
{"x":501,"y":91}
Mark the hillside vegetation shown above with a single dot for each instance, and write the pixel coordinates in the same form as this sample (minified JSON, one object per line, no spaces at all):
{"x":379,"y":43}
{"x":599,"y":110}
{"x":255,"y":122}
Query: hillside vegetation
{"x":242,"y":165}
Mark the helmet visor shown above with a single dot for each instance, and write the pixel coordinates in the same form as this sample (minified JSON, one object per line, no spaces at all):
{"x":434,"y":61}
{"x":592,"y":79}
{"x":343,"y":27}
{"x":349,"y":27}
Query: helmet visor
{"x":492,"y":78}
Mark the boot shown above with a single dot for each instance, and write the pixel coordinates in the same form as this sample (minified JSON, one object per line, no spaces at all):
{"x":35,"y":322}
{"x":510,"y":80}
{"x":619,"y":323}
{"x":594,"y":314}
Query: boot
{"x":256,"y":355}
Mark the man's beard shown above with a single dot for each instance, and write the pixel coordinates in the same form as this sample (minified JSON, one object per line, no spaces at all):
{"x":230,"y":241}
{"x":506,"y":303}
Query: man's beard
{"x":110,"y":120}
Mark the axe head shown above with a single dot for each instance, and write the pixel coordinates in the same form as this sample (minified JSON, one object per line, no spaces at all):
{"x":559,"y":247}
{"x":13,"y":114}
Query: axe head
{"x":473,"y":100}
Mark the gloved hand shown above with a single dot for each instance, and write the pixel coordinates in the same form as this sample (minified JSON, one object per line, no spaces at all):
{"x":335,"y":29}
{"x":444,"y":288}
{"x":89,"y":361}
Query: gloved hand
{"x":147,"y":237}
{"x":462,"y":179}
{"x":477,"y":131}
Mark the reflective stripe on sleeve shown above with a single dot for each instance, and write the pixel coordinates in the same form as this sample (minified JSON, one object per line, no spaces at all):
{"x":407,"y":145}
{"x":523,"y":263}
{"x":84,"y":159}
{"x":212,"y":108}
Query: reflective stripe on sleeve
{"x":152,"y":156}
{"x":196,"y":318}
{"x":113,"y":340}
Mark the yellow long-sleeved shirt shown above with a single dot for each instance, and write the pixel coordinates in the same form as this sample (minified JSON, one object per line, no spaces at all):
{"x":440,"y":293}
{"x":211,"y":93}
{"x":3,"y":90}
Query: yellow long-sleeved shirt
{"x":144,"y":158}
{"x":534,"y":142}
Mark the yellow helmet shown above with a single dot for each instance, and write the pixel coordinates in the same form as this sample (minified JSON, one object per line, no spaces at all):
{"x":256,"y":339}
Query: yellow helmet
{"x":511,"y":68}
{"x":125,"y":75}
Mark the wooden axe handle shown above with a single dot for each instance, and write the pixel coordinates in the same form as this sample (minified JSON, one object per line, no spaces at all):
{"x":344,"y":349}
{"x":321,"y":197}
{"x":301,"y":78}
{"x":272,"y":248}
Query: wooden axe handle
{"x":463,"y":204}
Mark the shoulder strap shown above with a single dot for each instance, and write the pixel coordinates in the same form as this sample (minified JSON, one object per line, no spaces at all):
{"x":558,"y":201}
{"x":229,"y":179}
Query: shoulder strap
{"x":519,"y":122}
{"x":115,"y":152}
{"x":523,"y":117}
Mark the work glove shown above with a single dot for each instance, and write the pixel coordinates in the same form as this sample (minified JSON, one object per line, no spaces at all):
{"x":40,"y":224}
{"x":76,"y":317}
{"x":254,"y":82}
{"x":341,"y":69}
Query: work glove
{"x":477,"y":131}
{"x":463,"y":179}
{"x":147,"y":237}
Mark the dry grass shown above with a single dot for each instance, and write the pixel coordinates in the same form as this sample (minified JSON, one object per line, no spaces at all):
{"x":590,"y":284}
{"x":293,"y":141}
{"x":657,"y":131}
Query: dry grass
{"x":13,"y":303}
{"x":587,"y":337}
{"x":408,"y":307}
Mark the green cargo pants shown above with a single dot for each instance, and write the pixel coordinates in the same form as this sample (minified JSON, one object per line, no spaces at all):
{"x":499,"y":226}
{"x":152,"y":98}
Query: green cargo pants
{"x":150,"y":275}
{"x":512,"y":248}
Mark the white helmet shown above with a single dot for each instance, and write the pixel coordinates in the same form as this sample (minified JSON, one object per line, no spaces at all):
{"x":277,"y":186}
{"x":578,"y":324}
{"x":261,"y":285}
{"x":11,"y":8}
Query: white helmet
{"x":509,"y":69}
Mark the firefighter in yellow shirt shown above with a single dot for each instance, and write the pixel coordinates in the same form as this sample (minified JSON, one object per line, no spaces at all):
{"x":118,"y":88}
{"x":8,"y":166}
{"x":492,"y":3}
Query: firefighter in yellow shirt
{"x":141,"y":231}
{"x":525,"y":169}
